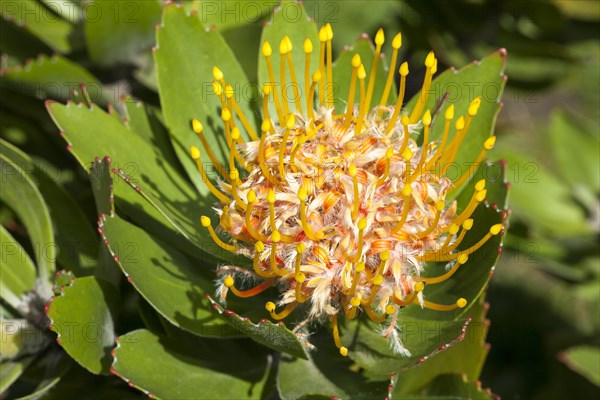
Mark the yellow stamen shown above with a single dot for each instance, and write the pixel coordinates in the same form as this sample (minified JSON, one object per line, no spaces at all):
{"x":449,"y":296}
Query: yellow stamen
{"x":439,"y":207}
{"x":310,"y":233}
{"x":449,"y":116}
{"x":275,"y":238}
{"x":494,"y":230}
{"x":317,"y":78}
{"x":295,"y":89}
{"x":410,"y":299}
{"x":260,"y":247}
{"x":396,"y":44}
{"x":405,"y":121}
{"x":487,"y":145}
{"x":267,"y":51}
{"x":265,"y":127}
{"x":359,"y":267}
{"x":424,"y":146}
{"x":205,"y":221}
{"x":378,"y":319}
{"x":216,"y":192}
{"x":361,"y":225}
{"x":298,"y":142}
{"x":251,"y":198}
{"x":362,"y":106}
{"x":198,"y":128}
{"x":478,"y":197}
{"x":438,"y":279}
{"x":384,"y":256}
{"x":467,"y":225}
{"x":308,"y":49}
{"x":460,"y":303}
{"x":283,"y":50}
{"x":356,"y":63}
{"x":270,"y":306}
{"x":389,"y":153}
{"x":289,"y":125}
{"x":238,"y":111}
{"x":422,"y":99}
{"x":250,"y":292}
{"x":379,"y":40}
{"x":355,"y":205}
{"x":392,"y":122}
{"x":300,"y":278}
{"x":336,"y":336}
{"x":329,"y":65}
{"x":271,"y":200}
{"x":323,"y":41}
{"x":235,"y":178}
{"x":300,"y":248}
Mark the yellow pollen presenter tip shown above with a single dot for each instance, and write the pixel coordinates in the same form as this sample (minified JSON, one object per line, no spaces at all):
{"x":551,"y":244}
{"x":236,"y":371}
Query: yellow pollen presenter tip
{"x":494,"y":230}
{"x":397,"y":41}
{"x":217,"y":73}
{"x":197,"y":126}
{"x":195,"y":152}
{"x":404,"y":69}
{"x":266,"y":49}
{"x":270,"y":306}
{"x":379,"y":37}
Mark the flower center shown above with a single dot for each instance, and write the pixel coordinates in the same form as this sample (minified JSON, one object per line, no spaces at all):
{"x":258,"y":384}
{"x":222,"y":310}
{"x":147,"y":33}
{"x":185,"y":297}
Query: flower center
{"x":341,"y":211}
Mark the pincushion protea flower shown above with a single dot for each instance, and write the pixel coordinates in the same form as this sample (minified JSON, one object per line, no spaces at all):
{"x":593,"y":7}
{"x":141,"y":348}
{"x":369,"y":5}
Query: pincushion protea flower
{"x":341,"y":211}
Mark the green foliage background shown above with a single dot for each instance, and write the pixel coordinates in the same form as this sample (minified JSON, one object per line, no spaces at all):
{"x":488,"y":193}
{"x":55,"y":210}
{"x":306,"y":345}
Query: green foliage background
{"x":544,"y":297}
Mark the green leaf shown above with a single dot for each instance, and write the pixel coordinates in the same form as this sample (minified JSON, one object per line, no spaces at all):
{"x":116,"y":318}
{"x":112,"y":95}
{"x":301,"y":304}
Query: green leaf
{"x":569,"y":138}
{"x":54,"y":78}
{"x":205,"y":367}
{"x":27,"y":202}
{"x":167,"y":283}
{"x":325,"y":374}
{"x":77,"y":242}
{"x":18,"y":41}
{"x":69,"y":10}
{"x":11,"y":371}
{"x":466,"y":357}
{"x":275,"y":336}
{"x":83,"y":318}
{"x":421,"y":337}
{"x":45,"y":25}
{"x":121,"y":30}
{"x":454,"y":386}
{"x":484,"y":78}
{"x":585,"y":360}
{"x":92,"y":133}
{"x":226,"y":16}
{"x":185,"y":56}
{"x":17,"y":270}
{"x":347,"y":19}
{"x":289,"y":18}
{"x":164,"y":277}
{"x":342,"y":74}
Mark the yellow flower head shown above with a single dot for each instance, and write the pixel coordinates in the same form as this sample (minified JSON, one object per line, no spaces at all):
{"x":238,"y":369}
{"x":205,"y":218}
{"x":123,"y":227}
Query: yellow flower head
{"x":341,"y":211}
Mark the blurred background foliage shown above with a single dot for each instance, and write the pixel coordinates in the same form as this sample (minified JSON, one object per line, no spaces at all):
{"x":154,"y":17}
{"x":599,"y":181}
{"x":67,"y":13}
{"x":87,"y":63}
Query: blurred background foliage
{"x":545,"y":295}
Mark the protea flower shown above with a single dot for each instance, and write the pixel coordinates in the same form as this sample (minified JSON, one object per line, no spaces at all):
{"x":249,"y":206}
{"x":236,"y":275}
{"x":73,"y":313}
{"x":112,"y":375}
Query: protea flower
{"x":340,"y":211}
